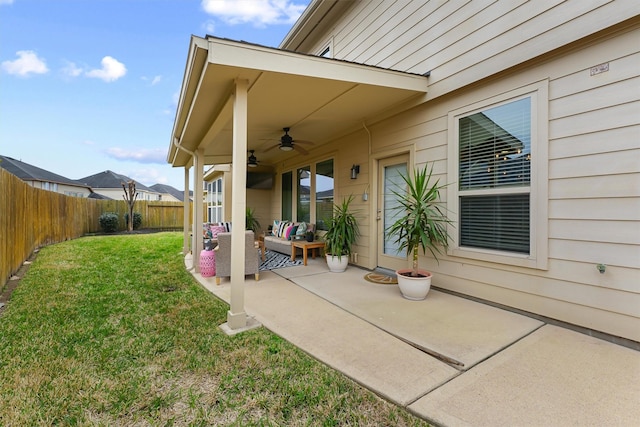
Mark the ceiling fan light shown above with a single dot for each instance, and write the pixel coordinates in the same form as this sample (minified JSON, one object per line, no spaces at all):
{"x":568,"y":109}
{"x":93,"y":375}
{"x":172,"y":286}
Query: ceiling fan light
{"x":286,"y":147}
{"x":252,"y":162}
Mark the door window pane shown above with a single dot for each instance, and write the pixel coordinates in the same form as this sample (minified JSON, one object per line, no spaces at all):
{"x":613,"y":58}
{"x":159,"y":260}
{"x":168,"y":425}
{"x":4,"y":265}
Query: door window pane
{"x":393,"y":182}
{"x":324,"y":193}
{"x":287,"y":195}
{"x":304,"y":194}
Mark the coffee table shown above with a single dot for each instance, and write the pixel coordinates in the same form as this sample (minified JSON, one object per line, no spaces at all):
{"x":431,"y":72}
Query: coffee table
{"x":304,"y":245}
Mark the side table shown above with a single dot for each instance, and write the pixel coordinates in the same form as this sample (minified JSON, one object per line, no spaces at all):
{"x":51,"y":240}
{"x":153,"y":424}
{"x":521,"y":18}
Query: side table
{"x":304,"y":245}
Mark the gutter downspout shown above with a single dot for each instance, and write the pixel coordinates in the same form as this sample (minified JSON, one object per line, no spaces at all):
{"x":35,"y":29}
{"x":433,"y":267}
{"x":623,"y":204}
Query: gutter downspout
{"x":179,"y":146}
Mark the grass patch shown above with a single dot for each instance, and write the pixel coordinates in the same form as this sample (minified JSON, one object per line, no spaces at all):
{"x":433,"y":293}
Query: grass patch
{"x":111,"y":330}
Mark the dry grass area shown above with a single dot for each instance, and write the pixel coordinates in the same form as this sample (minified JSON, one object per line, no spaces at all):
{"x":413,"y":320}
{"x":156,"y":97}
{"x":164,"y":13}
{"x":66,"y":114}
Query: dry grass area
{"x":111,"y":330}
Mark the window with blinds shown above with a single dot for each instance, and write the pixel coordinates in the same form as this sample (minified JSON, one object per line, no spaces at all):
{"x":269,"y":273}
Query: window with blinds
{"x":494,"y":177}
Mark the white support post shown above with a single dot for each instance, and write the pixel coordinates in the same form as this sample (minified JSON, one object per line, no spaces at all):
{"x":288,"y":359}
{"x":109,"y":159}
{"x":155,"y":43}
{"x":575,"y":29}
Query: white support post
{"x":236,"y":317}
{"x":186,"y":216}
{"x":198,"y":172}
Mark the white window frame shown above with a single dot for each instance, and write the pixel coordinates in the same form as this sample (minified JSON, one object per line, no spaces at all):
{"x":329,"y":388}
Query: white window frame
{"x":214,"y":211}
{"x":313,"y":190}
{"x":538,"y":190}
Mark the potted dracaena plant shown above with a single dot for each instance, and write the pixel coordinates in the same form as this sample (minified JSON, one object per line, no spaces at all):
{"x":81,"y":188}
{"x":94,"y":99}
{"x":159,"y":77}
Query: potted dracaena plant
{"x":342,"y":232}
{"x":251,"y":222}
{"x":421,"y":224}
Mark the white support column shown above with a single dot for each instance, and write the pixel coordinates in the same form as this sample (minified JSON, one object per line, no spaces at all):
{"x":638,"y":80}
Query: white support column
{"x":236,"y":317}
{"x":198,"y":172}
{"x":186,"y":204}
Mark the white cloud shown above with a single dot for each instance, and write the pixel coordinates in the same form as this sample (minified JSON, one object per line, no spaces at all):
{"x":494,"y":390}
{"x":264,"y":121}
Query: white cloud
{"x":256,"y":12}
{"x":209,"y":27}
{"x":6,"y":2}
{"x":27,"y":63}
{"x":153,"y":81}
{"x":147,"y":176}
{"x":141,"y":155}
{"x":111,"y":70}
{"x":71,"y":70}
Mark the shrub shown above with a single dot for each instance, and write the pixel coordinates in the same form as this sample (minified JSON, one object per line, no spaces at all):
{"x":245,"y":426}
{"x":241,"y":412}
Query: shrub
{"x":109,"y":222}
{"x":137,"y":220}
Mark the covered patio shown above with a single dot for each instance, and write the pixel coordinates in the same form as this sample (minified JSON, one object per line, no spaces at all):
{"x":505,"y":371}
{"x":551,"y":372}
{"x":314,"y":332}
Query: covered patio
{"x":238,"y":97}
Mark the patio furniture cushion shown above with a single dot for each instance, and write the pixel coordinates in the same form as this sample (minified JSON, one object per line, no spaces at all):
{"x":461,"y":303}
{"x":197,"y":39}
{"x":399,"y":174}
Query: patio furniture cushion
{"x":281,"y":242}
{"x":223,"y":256}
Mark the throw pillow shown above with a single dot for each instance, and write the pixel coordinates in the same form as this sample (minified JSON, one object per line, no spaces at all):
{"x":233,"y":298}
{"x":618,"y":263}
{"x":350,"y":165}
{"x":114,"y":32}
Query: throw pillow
{"x":302,"y":228}
{"x":274,"y":229}
{"x":216,"y":229}
{"x":282,"y":228}
{"x":287,"y":233}
{"x":292,"y":234}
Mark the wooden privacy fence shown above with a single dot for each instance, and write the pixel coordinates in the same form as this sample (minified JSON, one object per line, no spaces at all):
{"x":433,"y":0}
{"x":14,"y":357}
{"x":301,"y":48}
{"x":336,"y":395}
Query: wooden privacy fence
{"x":31,"y":218}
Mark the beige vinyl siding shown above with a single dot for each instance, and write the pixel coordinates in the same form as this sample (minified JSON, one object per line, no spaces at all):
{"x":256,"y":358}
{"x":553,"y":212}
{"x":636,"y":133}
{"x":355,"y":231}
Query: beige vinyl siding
{"x":594,"y":187}
{"x":477,"y":50}
{"x":259,"y":201}
{"x":461,"y":42}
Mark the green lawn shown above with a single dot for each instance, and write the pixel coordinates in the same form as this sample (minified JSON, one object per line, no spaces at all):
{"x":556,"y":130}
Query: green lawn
{"x":111,"y":330}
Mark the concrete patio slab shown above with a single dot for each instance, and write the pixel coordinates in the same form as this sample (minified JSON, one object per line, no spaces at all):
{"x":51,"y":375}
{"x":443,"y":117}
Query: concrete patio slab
{"x":462,"y":331}
{"x":368,"y":355}
{"x":552,"y":377}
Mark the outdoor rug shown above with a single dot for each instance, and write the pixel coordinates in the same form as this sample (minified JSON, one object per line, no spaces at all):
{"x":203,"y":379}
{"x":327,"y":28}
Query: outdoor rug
{"x":274,"y":260}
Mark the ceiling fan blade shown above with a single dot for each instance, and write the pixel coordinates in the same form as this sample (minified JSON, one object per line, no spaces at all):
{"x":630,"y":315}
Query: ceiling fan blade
{"x":302,"y":141}
{"x":271,"y":148}
{"x":300,"y":149}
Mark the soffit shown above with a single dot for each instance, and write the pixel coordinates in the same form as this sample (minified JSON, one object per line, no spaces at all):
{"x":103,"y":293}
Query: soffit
{"x":318,"y":98}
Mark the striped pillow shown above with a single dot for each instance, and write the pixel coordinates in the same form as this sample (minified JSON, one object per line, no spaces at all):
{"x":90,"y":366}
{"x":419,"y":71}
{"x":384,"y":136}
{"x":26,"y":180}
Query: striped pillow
{"x":283,"y":228}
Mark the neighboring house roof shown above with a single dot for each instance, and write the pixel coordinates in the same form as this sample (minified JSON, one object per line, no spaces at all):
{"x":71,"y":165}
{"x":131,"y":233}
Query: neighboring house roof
{"x":110,"y":179}
{"x":99,"y":197}
{"x":164,"y":188}
{"x":27,"y":172}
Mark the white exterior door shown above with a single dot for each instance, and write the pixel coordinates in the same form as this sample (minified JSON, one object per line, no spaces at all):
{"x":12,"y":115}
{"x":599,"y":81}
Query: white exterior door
{"x":389,"y":180}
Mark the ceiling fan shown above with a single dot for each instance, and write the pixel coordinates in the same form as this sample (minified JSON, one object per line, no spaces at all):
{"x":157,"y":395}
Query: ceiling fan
{"x":252,"y":161}
{"x":287,"y":143}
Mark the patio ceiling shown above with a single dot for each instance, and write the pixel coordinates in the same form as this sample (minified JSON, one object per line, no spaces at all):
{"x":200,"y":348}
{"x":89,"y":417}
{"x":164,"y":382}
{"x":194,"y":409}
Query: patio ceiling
{"x":318,"y":98}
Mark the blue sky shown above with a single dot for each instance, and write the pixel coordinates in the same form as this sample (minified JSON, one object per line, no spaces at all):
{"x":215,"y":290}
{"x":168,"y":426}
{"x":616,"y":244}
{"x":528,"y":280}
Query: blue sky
{"x":91,"y":85}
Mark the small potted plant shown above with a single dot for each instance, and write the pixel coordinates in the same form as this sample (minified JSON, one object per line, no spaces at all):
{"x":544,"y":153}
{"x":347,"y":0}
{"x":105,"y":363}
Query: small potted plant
{"x":422,"y":224}
{"x":342,"y":232}
{"x":251,"y":222}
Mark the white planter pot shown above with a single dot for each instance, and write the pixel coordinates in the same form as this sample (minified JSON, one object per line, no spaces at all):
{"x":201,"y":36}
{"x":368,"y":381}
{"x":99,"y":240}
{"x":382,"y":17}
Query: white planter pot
{"x":337,"y":265}
{"x":414,"y":288}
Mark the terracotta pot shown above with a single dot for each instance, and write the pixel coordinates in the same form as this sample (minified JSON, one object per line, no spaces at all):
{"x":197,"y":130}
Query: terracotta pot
{"x":414,"y":288}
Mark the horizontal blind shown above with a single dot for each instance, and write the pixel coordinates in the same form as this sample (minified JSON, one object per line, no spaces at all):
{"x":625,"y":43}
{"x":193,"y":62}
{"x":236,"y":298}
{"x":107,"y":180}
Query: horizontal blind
{"x":499,"y":222}
{"x":495,"y":147}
